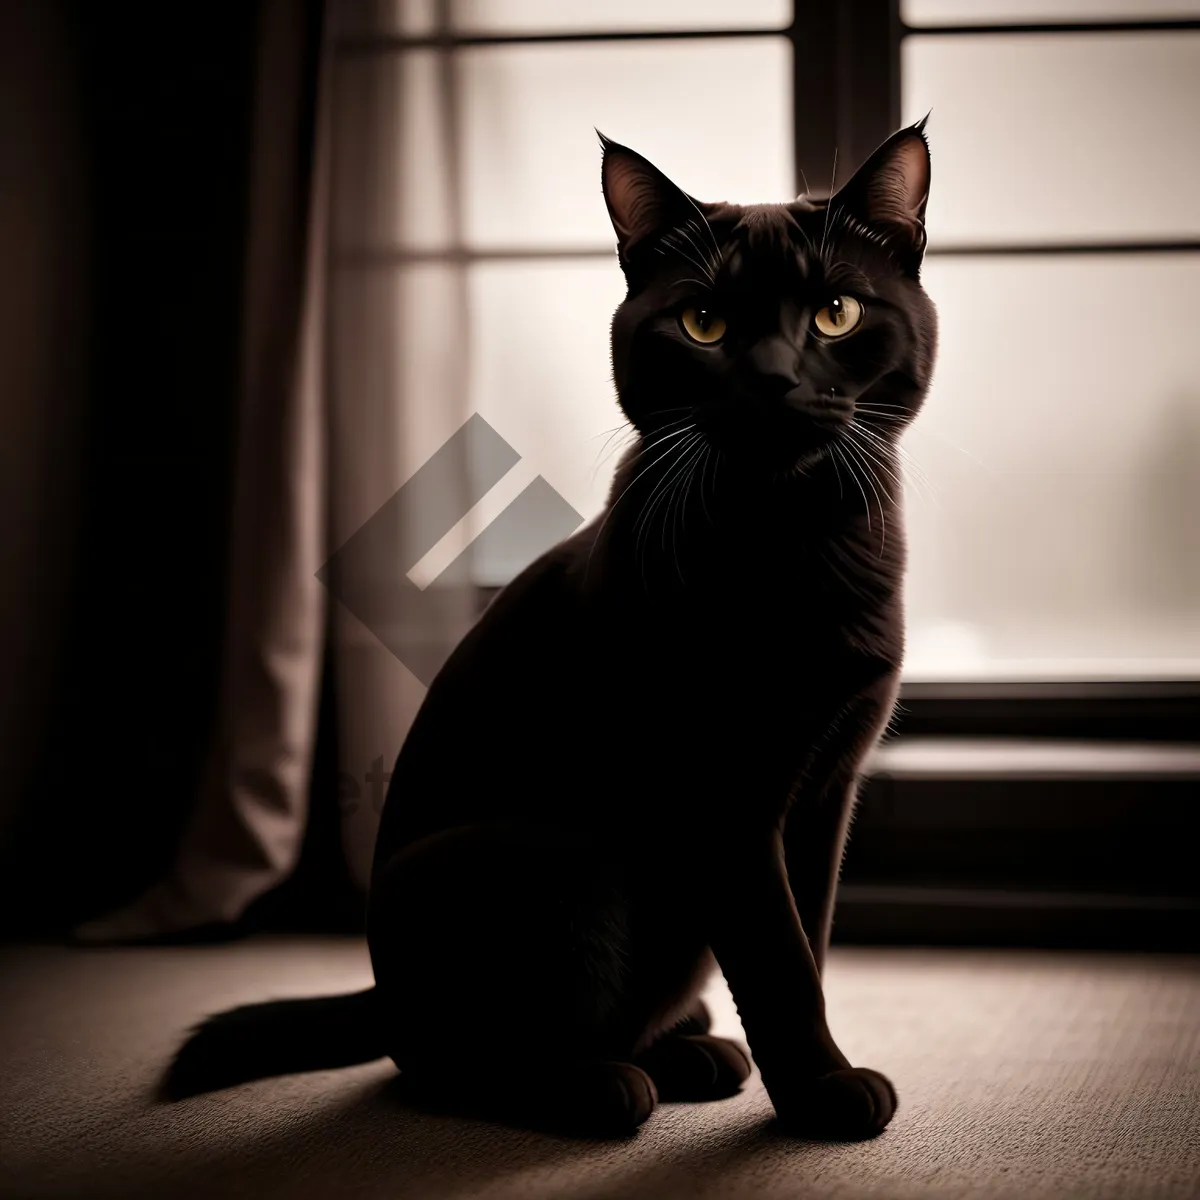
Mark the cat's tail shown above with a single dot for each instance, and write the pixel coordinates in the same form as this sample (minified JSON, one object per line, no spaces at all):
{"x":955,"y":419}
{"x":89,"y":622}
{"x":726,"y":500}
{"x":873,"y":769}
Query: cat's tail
{"x":280,"y":1037}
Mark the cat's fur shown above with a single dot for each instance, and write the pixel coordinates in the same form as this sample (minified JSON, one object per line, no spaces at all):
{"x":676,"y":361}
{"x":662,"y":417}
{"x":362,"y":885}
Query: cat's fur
{"x":642,"y":761}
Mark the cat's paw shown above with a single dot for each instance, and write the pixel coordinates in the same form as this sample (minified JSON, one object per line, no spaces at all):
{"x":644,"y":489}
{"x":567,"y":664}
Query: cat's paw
{"x":696,"y":1067}
{"x":610,"y":1099}
{"x":597,"y":1099}
{"x":847,"y":1105}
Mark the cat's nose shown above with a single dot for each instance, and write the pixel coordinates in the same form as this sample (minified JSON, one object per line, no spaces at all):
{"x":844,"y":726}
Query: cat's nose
{"x":777,"y":357}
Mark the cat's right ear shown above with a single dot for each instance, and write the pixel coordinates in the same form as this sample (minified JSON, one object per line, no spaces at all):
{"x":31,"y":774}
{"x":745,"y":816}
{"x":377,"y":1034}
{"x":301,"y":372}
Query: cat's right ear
{"x":641,"y":200}
{"x":889,"y":192}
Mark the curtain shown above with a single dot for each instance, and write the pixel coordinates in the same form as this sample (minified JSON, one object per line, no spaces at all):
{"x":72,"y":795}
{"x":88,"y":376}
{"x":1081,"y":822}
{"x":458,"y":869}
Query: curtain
{"x":241,"y":678}
{"x":406,"y":464}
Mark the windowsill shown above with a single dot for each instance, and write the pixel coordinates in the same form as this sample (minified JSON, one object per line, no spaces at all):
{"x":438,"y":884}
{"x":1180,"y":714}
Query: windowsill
{"x":994,"y":758}
{"x":1052,"y":671}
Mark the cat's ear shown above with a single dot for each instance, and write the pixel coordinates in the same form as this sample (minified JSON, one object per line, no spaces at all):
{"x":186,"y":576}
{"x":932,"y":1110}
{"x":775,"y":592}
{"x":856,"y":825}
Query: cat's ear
{"x":888,"y":193}
{"x":641,"y":199}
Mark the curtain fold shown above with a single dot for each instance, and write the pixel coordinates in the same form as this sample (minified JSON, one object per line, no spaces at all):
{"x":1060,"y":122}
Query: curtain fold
{"x":249,"y":822}
{"x":399,"y":394}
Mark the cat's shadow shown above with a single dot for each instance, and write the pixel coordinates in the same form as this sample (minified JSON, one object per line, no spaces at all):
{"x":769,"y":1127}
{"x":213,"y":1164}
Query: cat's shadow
{"x":381,"y":1140}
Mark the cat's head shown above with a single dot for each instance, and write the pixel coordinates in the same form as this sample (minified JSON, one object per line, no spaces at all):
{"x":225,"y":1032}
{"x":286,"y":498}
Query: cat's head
{"x":778,"y":330}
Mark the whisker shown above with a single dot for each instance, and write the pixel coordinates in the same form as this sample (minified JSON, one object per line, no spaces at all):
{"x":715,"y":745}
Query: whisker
{"x":701,"y":223}
{"x":808,"y":242}
{"x":661,"y":435}
{"x":834,"y":461}
{"x":829,"y":202}
{"x":908,"y":465}
{"x":712,"y":268}
{"x":704,"y":270}
{"x":609,"y":435}
{"x":670,"y":512}
{"x":885,"y":447}
{"x":606,"y":455}
{"x":660,"y":492}
{"x":681,"y":507}
{"x":875,"y":462}
{"x":708,"y":456}
{"x":879,"y":416}
{"x":669,"y":244}
{"x":681,"y":408}
{"x":626,"y":489}
{"x":849,"y":465}
{"x":878,"y":451}
{"x":912,"y":472}
{"x":852,"y":448}
{"x":873,"y":405}
{"x":873,"y":455}
{"x":918,"y":472}
{"x":610,"y":432}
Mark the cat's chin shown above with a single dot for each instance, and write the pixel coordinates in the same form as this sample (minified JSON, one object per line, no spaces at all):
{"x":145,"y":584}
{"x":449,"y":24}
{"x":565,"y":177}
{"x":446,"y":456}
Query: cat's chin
{"x":777,"y":442}
{"x":779,"y":457}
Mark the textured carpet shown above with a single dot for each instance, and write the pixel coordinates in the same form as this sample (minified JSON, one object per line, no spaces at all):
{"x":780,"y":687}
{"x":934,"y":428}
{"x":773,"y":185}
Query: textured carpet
{"x":1020,"y":1075}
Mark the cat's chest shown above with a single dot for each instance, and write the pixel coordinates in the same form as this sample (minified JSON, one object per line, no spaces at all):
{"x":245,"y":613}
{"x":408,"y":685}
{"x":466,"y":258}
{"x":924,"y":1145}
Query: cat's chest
{"x":771,"y":624}
{"x":758,"y":663}
{"x":764,"y":641}
{"x":760,"y":668}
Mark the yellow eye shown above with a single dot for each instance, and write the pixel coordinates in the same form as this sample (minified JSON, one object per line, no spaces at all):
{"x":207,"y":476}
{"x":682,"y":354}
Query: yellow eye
{"x":702,"y":325}
{"x":839,"y":317}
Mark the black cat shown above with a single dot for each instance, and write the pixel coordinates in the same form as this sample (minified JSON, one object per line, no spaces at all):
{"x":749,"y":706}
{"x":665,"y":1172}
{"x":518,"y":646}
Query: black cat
{"x":642,"y":761}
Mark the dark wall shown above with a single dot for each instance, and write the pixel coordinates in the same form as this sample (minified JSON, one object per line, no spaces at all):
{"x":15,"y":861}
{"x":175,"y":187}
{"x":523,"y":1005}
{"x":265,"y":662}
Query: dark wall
{"x":154,"y":107}
{"x":43,"y":273}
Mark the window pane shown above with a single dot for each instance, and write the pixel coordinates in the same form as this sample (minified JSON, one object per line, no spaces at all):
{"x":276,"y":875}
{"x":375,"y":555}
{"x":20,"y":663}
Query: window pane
{"x":396,"y":350}
{"x":1058,"y":138}
{"x":1062,"y":441}
{"x":541,"y":374}
{"x":553,"y":16}
{"x":714,"y":115}
{"x":985,"y":12}
{"x":390,"y":178}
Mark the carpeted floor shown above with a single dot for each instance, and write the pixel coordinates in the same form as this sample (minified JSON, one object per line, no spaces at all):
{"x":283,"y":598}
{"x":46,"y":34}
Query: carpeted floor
{"x":1020,"y":1075}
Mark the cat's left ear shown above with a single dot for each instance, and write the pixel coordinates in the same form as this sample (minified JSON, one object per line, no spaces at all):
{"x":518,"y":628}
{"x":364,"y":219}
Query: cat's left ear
{"x":888,"y":193}
{"x":641,"y":200}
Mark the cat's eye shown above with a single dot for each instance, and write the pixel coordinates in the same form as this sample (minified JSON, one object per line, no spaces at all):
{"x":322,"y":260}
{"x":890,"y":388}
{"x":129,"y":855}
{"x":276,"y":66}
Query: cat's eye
{"x":702,"y":325}
{"x":842,"y":315}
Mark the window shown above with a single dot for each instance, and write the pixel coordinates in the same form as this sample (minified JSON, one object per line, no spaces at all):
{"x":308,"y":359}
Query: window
{"x":1062,"y":434}
{"x":1054,"y":583}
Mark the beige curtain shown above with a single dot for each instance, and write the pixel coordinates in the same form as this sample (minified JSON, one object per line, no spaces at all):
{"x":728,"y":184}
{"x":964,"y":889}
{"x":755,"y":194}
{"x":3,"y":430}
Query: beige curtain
{"x":398,"y":397}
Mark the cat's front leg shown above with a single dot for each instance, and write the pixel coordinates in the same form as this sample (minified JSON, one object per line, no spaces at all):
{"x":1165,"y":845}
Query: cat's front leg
{"x":767,"y":961}
{"x":819,"y":818}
